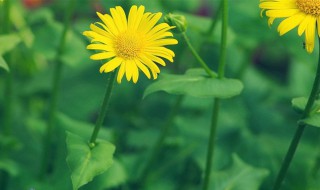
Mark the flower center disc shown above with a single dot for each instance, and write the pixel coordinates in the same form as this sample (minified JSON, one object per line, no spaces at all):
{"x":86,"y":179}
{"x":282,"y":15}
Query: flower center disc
{"x":128,"y":46}
{"x":311,"y":7}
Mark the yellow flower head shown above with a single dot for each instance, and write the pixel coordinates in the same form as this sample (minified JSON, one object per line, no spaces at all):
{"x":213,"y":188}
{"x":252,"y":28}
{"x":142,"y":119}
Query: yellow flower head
{"x":132,"y":43}
{"x":304,"y":14}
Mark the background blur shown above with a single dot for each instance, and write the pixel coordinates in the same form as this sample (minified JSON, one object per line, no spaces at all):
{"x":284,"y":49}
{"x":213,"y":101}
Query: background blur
{"x":254,"y":128}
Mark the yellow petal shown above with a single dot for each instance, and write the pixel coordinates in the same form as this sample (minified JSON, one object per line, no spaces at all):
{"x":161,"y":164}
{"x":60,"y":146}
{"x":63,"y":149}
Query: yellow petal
{"x":103,"y":55}
{"x":121,"y":72}
{"x":143,"y":68}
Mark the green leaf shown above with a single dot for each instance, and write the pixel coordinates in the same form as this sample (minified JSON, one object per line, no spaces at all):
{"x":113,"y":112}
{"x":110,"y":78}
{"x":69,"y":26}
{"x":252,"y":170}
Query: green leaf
{"x":195,"y":82}
{"x":86,"y":163}
{"x":312,"y":120}
{"x":9,"y":166}
{"x":115,"y":176}
{"x":300,"y":103}
{"x":8,"y":42}
{"x":3,"y":64}
{"x":239,"y":176}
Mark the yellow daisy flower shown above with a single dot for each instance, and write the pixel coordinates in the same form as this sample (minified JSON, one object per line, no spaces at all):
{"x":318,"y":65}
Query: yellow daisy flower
{"x":304,"y":14}
{"x":131,"y":43}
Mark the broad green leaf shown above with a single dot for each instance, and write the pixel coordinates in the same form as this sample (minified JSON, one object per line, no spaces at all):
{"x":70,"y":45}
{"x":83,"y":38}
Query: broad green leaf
{"x":3,"y":64}
{"x":86,"y":163}
{"x":239,"y":176}
{"x":8,"y":42}
{"x":313,"y":119}
{"x":195,"y":82}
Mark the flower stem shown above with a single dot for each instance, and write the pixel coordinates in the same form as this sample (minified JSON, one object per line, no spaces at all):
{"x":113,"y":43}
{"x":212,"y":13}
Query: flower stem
{"x":197,"y":56}
{"x":103,"y":110}
{"x":216,"y":106}
{"x":47,"y":143}
{"x":211,"y":143}
{"x":300,"y":129}
{"x":159,"y":144}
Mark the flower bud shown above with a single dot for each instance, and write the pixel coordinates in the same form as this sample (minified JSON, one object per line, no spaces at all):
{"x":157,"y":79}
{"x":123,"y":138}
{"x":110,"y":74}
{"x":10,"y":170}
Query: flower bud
{"x":179,"y":21}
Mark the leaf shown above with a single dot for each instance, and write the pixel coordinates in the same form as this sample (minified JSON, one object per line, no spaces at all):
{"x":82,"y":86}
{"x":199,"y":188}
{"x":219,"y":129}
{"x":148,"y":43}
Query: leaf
{"x":86,"y":163}
{"x":239,"y":176}
{"x":312,"y":120}
{"x":300,"y":103}
{"x":115,"y":176}
{"x":195,"y":82}
{"x":8,"y":42}
{"x":3,"y":64}
{"x":9,"y":166}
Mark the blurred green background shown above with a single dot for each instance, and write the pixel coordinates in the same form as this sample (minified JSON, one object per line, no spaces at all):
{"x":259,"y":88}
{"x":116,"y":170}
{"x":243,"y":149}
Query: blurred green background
{"x":254,"y":128}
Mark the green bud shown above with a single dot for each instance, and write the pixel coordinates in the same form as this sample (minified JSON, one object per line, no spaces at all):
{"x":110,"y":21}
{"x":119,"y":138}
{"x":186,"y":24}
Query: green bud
{"x":179,"y":21}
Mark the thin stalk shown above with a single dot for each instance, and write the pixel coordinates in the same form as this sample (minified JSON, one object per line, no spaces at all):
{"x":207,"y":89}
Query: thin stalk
{"x":197,"y":56}
{"x":300,"y":129}
{"x":216,"y":106}
{"x":103,"y":110}
{"x":211,"y":143}
{"x":223,"y":45}
{"x":159,"y":144}
{"x":47,"y":143}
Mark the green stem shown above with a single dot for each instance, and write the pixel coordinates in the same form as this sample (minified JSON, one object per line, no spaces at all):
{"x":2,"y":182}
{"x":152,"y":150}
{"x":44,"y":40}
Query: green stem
{"x":47,"y":143}
{"x":159,"y":144}
{"x":103,"y":110}
{"x":301,"y":126}
{"x":223,"y":45}
{"x":211,"y":143}
{"x":197,"y":56}
{"x":216,"y":106}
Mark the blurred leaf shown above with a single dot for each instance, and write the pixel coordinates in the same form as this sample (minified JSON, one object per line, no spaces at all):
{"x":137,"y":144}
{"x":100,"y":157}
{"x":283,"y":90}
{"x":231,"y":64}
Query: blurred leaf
{"x":8,"y":42}
{"x":75,"y":50}
{"x":196,"y":83}
{"x":9,"y":142}
{"x":47,"y":38}
{"x":9,"y":166}
{"x":239,"y":176}
{"x":299,"y":104}
{"x":3,"y":64}
{"x":86,"y":163}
